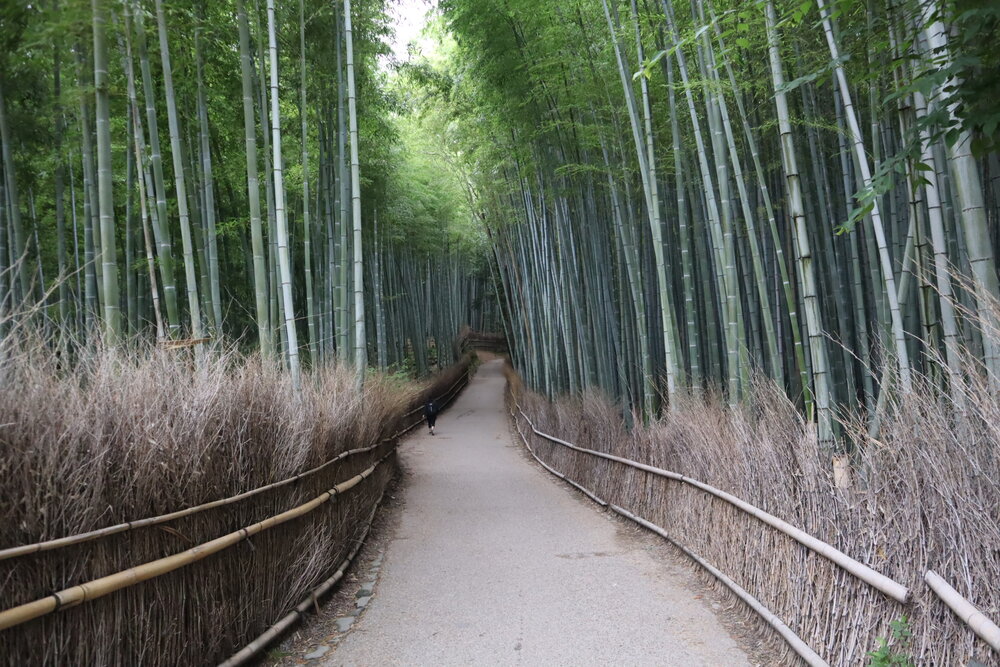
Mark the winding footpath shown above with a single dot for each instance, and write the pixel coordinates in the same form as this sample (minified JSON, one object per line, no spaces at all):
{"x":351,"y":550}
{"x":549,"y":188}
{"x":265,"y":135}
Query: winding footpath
{"x":493,"y":561}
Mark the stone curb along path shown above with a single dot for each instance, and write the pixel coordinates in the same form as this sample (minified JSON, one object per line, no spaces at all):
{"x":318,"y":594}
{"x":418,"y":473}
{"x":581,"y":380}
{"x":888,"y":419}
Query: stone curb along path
{"x":342,"y":625}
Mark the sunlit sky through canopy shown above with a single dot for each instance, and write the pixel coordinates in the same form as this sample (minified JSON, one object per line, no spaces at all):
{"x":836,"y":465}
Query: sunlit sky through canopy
{"x":409,"y":18}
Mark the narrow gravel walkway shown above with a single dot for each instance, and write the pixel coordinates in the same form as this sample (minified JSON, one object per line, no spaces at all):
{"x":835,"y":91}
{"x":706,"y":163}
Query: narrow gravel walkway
{"x":495,"y":562}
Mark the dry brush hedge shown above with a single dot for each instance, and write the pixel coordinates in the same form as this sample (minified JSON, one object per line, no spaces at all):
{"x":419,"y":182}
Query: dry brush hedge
{"x":927,"y":497}
{"x":121,"y":440}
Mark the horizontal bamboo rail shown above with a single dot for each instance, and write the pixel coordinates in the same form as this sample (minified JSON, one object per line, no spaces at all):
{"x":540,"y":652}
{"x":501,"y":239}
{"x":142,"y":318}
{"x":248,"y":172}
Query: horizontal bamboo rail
{"x":276,"y":630}
{"x":264,"y":639}
{"x":175,"y":344}
{"x":96,"y":588}
{"x":163,"y":518}
{"x":866,"y":574}
{"x":794,"y":641}
{"x":552,"y":470}
{"x":490,"y":342}
{"x":58,"y":543}
{"x":965,"y":610}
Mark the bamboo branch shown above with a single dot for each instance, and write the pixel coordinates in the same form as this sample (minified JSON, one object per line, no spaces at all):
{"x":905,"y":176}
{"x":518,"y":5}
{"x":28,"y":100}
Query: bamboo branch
{"x":58,"y":543}
{"x":79,"y":538}
{"x":273,"y":632}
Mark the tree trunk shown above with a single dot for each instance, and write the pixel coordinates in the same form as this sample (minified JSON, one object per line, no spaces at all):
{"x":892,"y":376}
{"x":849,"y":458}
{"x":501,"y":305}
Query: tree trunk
{"x":190,"y":271}
{"x":360,"y":339}
{"x":112,"y":311}
{"x":281,"y":231}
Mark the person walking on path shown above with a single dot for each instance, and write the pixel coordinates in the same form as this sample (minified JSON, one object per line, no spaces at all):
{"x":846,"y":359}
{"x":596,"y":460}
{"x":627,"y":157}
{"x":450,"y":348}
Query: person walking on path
{"x":431,"y":412}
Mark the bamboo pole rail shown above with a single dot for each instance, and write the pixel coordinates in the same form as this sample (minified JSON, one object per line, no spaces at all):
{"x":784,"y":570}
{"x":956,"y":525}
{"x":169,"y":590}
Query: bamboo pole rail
{"x":96,"y":588}
{"x":496,"y":343}
{"x":866,"y":574}
{"x":273,"y":632}
{"x":794,"y":641}
{"x":173,"y":344}
{"x":555,"y":472}
{"x":58,"y":543}
{"x":987,"y":630}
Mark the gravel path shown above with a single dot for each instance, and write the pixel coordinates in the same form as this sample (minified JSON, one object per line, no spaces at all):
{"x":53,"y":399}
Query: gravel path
{"x":494,"y":562}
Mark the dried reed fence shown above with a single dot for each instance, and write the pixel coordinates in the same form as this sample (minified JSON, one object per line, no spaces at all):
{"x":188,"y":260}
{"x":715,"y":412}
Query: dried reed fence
{"x":925,"y":496}
{"x":116,"y":439}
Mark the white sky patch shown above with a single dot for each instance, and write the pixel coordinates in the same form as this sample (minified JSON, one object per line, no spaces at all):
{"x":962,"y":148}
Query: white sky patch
{"x":409,"y":18}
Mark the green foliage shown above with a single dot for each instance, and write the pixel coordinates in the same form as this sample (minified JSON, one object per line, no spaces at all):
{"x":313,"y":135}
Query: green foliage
{"x":977,"y":24}
{"x":820,"y":74}
{"x":893,"y":653}
{"x":686,"y":42}
{"x":398,"y":378}
{"x":966,"y":77}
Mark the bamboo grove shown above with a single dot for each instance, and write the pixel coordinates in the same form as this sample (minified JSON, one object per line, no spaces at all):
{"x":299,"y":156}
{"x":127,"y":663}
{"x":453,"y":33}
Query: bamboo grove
{"x":684,"y":196}
{"x":204,"y":171}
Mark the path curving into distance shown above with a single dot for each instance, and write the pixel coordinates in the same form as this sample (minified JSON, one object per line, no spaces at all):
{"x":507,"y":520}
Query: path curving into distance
{"x":494,"y":561}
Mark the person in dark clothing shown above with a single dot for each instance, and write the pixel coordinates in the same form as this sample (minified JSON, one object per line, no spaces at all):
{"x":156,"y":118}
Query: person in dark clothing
{"x":431,"y":411}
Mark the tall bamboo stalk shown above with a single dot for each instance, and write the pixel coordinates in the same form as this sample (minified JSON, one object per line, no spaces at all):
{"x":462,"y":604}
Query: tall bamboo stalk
{"x":112,"y":311}
{"x":207,"y":186}
{"x":796,"y":211}
{"x":281,"y":231}
{"x":306,"y":220}
{"x":264,"y":333}
{"x":360,"y":339}
{"x":159,"y":218}
{"x":969,"y":193}
{"x":19,"y":247}
{"x":177,"y":155}
{"x":861,"y":159}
